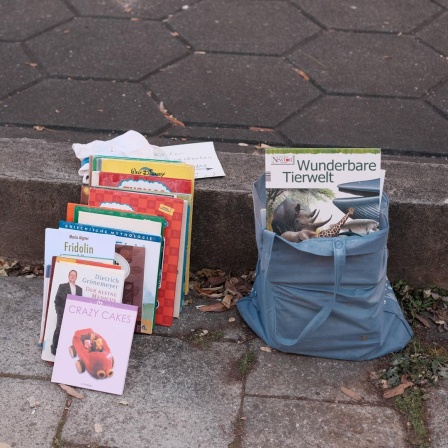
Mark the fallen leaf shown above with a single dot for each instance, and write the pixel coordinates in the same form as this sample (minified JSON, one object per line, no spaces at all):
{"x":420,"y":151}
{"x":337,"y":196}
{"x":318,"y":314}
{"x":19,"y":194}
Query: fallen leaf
{"x":214,"y":307}
{"x":255,"y":129}
{"x":215,"y":280}
{"x":423,"y":321}
{"x":170,"y":117}
{"x":123,"y":402}
{"x":350,"y":393}
{"x":98,"y":427}
{"x":39,"y":128}
{"x":398,"y":390}
{"x":266,"y":349}
{"x":302,"y":74}
{"x":33,"y":402}
{"x":227,"y":300}
{"x":71,"y":391}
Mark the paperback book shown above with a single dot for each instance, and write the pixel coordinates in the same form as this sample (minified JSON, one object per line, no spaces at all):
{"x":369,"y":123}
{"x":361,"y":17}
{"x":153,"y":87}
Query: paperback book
{"x":82,"y":278}
{"x":94,"y":344}
{"x":323,"y":192}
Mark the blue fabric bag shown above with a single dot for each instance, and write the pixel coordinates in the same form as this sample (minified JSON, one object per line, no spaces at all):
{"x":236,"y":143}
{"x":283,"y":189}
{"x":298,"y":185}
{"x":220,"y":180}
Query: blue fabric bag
{"x":326,"y":297}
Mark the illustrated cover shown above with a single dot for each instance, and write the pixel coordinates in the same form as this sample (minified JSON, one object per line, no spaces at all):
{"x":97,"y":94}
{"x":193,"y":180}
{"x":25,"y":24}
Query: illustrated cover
{"x":153,"y":245}
{"x":94,"y":344}
{"x":178,"y":188}
{"x":82,"y":278}
{"x":173,"y":210}
{"x":323,"y":192}
{"x":65,"y":242}
{"x":119,"y":219}
{"x":133,"y":258}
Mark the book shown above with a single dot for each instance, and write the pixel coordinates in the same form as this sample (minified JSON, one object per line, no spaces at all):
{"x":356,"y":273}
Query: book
{"x":163,"y":169}
{"x":66,"y":242}
{"x":78,"y":277}
{"x":178,"y":188}
{"x":173,"y":210}
{"x":320,"y":192}
{"x":94,"y":344}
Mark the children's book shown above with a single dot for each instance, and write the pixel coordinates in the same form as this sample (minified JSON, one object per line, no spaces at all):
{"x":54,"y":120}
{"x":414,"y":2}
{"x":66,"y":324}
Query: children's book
{"x":82,"y":278}
{"x":94,"y":344}
{"x":153,"y":245}
{"x":174,"y":212}
{"x":66,"y":242}
{"x":322,"y":192}
{"x":132,"y":260}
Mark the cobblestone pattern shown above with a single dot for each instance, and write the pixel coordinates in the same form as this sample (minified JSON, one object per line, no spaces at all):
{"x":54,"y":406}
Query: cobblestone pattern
{"x":307,"y":72}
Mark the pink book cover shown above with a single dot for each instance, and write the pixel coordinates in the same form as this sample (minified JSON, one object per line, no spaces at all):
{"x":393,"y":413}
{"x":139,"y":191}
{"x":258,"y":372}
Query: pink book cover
{"x":144,"y":183}
{"x":166,"y":207}
{"x":94,"y":344}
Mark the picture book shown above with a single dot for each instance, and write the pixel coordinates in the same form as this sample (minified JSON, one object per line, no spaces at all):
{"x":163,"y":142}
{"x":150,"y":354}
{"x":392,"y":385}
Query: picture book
{"x":125,"y":220}
{"x":178,"y":188}
{"x":174,"y":211}
{"x":153,"y":245}
{"x":82,"y":278}
{"x":132,"y":260}
{"x":323,"y":192}
{"x":94,"y":344}
{"x":65,"y":242}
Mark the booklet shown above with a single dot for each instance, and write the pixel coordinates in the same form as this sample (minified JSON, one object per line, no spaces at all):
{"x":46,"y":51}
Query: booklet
{"x":321,"y":192}
{"x":94,"y":344}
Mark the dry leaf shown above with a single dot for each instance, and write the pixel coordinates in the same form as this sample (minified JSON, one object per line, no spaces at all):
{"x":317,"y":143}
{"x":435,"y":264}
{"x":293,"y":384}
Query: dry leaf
{"x":123,"y":402}
{"x":214,"y":307}
{"x":71,"y":391}
{"x":352,"y":394}
{"x":170,"y":117}
{"x":227,"y":300}
{"x":423,"y":321}
{"x":397,"y":390}
{"x":302,"y":74}
{"x":98,"y":427}
{"x":255,"y":129}
{"x":266,"y":349}
{"x":39,"y":128}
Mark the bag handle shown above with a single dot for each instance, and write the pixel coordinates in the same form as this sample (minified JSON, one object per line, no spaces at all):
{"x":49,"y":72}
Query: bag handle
{"x":339,"y":254}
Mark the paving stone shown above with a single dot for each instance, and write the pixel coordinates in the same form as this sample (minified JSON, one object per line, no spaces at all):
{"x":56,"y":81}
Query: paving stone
{"x":155,"y":9}
{"x":436,"y":34}
{"x":17,"y":74}
{"x":243,"y":27}
{"x":235,"y":135}
{"x":303,"y":424}
{"x":309,"y":377}
{"x":438,"y":418}
{"x":23,"y":426}
{"x":370,"y":64}
{"x":389,"y":123}
{"x":82,"y":48}
{"x":231,"y":90}
{"x":177,"y":395}
{"x":439,"y":99}
{"x":21,"y":297}
{"x":381,"y":15}
{"x":20,"y":19}
{"x":85,"y":104}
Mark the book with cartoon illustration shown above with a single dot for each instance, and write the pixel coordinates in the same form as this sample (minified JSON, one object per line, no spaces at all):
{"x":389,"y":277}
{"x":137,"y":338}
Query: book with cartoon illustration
{"x":94,"y":344}
{"x":79,"y":277}
{"x":174,"y":211}
{"x":323,"y":192}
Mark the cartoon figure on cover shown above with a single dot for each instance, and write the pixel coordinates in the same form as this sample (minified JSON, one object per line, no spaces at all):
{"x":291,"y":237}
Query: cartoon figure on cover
{"x":61,"y":296}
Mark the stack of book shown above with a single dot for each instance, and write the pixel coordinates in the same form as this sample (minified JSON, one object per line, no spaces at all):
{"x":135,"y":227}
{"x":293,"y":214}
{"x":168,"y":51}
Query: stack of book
{"x":121,"y":259}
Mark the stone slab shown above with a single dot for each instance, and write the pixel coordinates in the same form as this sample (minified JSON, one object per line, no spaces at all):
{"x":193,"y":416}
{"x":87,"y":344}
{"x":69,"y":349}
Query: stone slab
{"x":177,"y":396}
{"x":302,"y":424}
{"x":21,"y":308}
{"x":437,"y":415}
{"x":304,"y":377}
{"x":439,"y":99}
{"x":23,"y":426}
{"x":436,"y":34}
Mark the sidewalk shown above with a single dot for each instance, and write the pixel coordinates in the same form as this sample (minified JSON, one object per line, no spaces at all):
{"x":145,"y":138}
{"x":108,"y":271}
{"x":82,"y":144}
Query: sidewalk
{"x":240,"y":74}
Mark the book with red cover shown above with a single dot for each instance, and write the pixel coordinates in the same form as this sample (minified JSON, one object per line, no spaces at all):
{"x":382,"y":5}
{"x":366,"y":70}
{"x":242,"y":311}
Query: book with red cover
{"x":172,"y":210}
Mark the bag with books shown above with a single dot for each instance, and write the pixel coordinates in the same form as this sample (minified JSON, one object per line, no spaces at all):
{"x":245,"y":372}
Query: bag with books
{"x":326,"y":297}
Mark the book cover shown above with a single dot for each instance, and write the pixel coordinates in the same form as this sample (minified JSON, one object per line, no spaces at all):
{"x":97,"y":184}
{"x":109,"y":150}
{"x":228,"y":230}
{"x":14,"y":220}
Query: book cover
{"x":322,"y":192}
{"x":173,"y":210}
{"x":132,"y":260}
{"x":82,"y":278}
{"x":65,"y":242}
{"x":94,"y":344}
